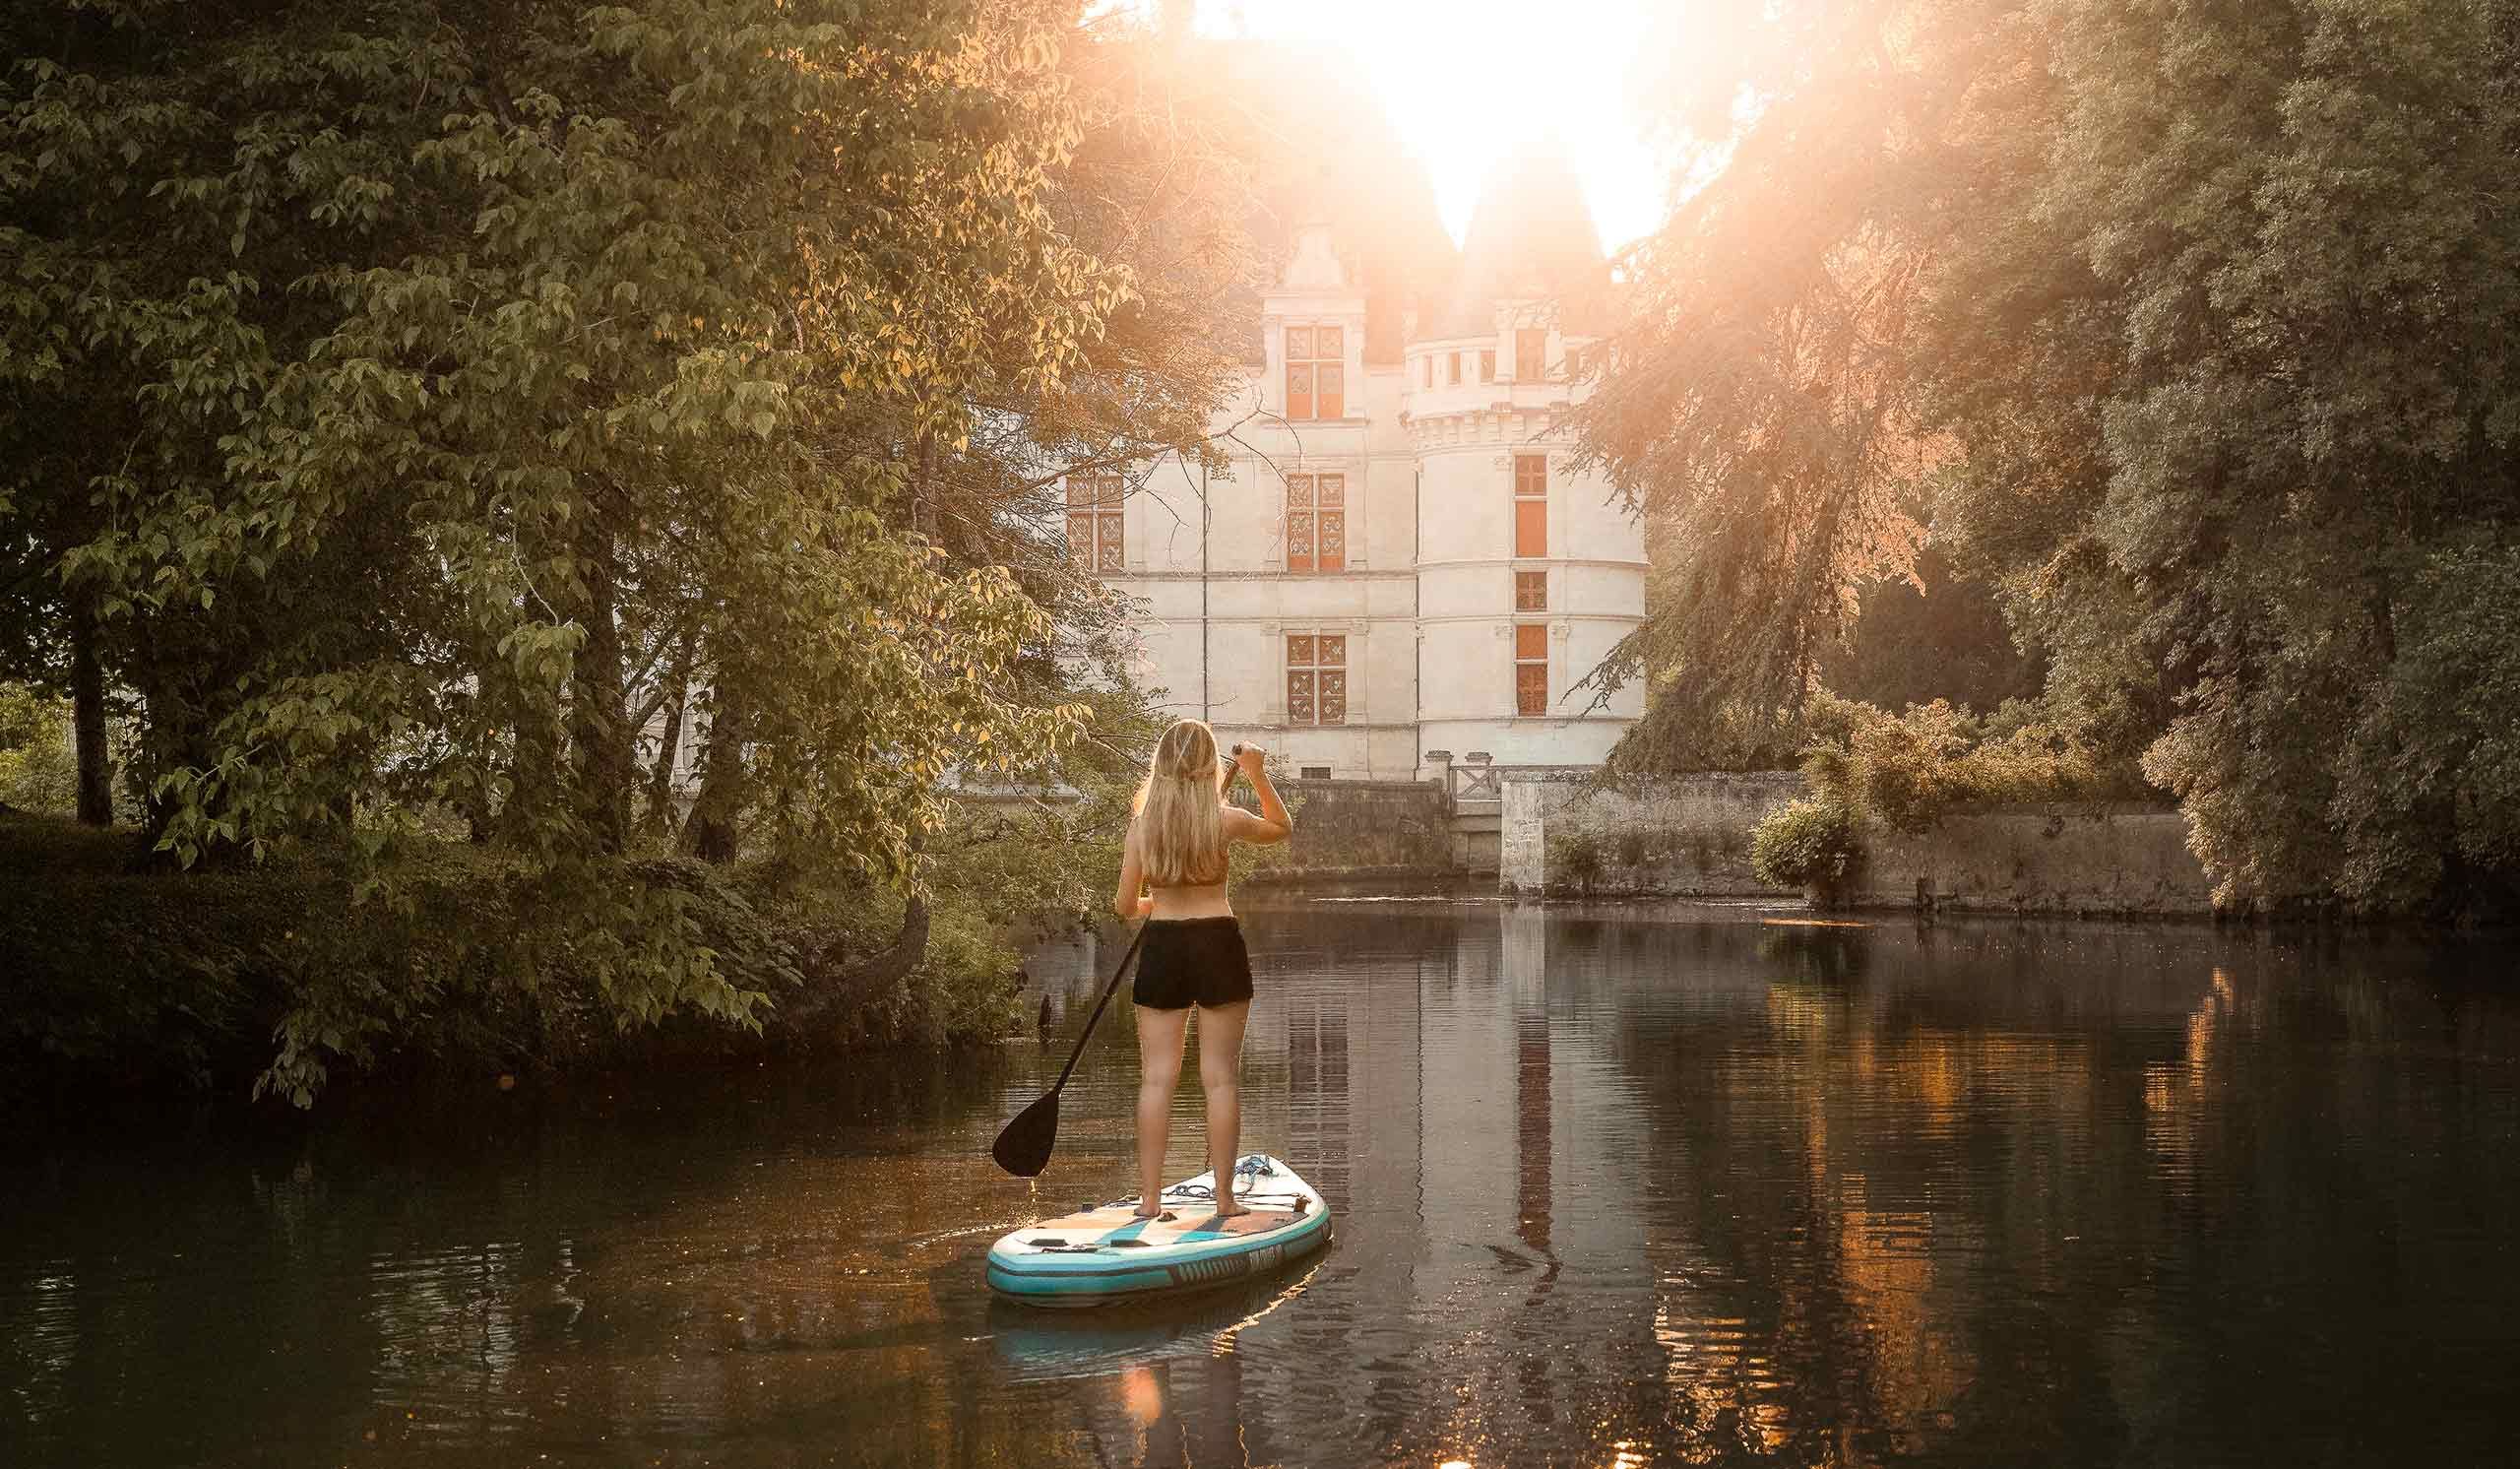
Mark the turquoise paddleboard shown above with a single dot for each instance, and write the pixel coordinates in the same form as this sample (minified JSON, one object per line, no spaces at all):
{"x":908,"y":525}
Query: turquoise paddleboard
{"x":1035,"y":1345}
{"x":1107,"y":1254}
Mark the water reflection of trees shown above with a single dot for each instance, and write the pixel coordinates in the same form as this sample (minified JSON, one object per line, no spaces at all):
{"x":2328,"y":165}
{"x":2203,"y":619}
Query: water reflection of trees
{"x":1608,"y":1191}
{"x":2000,"y":1196}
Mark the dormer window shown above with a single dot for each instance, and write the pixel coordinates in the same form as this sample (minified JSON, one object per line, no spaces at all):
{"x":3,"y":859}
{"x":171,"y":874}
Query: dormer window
{"x":1316,"y":373}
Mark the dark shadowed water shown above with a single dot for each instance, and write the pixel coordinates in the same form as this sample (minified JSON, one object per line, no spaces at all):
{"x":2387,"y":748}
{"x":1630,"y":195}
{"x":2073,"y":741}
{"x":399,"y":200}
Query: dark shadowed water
{"x":1640,"y":1187}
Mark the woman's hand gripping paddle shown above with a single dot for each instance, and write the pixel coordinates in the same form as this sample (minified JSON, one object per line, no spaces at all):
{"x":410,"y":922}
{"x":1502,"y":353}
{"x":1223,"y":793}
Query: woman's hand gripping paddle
{"x":1024,"y":1147}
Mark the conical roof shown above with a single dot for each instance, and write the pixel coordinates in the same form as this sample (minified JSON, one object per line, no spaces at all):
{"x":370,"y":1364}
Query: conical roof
{"x":1530,"y":239}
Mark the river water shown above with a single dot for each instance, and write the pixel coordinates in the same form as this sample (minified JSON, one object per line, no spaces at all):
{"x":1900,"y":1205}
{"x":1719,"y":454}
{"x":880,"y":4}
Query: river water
{"x":1617,"y":1186}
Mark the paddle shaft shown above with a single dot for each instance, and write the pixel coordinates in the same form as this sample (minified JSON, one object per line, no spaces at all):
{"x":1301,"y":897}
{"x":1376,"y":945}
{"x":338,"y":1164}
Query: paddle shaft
{"x":1095,"y":1019}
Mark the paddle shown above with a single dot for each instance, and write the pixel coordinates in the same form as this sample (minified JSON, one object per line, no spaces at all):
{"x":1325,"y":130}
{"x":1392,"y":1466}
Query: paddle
{"x":1023,"y":1148}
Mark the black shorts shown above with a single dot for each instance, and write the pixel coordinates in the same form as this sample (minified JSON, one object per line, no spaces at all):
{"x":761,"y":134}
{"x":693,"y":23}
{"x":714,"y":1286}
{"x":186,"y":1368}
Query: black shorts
{"x":1192,"y":962}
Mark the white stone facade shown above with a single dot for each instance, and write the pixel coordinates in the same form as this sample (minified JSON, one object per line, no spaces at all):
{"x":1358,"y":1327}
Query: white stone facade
{"x":1439,"y":602}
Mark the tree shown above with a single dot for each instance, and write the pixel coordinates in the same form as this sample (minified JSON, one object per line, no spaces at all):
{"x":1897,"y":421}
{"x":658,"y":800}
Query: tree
{"x":2198,"y":313}
{"x":425,"y":398}
{"x":1755,"y":415}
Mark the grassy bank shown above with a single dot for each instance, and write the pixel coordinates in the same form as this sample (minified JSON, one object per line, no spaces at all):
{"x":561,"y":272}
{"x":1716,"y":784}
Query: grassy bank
{"x":289,"y":975}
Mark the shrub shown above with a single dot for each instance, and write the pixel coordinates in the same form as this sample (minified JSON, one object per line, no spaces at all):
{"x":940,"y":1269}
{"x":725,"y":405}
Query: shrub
{"x":37,"y":771}
{"x":125,"y":971}
{"x":1576,"y":856}
{"x":1805,"y":844}
{"x":1635,"y":848}
{"x":1908,"y":770}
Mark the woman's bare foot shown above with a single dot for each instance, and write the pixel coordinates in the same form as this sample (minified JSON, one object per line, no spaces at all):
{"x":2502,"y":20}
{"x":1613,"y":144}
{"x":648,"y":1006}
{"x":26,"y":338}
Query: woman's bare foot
{"x":1228,"y":1208}
{"x":1144,"y":1212}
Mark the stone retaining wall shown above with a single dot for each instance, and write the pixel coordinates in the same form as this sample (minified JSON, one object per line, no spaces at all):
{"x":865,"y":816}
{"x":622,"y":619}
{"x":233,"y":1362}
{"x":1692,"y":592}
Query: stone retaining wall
{"x":1689,"y":836}
{"x":1382,"y":827}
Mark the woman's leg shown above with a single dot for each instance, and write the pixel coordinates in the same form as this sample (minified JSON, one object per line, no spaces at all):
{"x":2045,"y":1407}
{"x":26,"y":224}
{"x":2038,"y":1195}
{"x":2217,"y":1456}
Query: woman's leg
{"x":1158,"y":1072}
{"x":1220,"y":1077}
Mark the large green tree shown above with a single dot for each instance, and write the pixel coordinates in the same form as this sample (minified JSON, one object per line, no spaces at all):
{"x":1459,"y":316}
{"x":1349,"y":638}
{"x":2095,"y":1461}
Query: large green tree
{"x":2195,"y":318}
{"x":430,"y":402}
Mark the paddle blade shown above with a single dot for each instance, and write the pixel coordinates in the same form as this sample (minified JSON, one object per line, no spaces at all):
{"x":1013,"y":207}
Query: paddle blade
{"x":1024,"y":1147}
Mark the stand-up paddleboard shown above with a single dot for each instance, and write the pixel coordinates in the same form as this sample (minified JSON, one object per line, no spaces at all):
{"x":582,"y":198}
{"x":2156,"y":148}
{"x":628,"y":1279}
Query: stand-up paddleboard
{"x":1035,"y":1345}
{"x":1107,"y":1254}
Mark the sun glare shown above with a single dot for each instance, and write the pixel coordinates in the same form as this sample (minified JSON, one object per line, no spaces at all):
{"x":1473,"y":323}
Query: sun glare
{"x":1467,"y":81}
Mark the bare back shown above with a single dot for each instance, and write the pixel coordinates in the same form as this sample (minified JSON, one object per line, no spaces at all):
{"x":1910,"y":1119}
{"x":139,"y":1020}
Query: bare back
{"x":1191,"y":900}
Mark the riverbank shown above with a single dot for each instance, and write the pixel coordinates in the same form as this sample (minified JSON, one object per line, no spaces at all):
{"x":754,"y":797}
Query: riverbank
{"x":120,"y":974}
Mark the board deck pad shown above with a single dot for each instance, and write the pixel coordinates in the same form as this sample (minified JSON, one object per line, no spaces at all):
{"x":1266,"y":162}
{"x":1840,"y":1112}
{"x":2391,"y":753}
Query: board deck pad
{"x":1118,"y":1224}
{"x":1105,"y":1252}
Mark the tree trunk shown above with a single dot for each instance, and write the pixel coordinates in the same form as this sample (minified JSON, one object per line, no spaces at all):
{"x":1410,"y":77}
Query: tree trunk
{"x":659,"y":821}
{"x":710,"y":834}
{"x":826,"y":989}
{"x":537,"y":770}
{"x":87,"y":714}
{"x":599,"y":714}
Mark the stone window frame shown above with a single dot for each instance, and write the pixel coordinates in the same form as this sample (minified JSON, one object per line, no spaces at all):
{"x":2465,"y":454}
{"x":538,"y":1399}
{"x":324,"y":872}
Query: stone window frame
{"x":1097,"y":505}
{"x":1316,"y":365}
{"x":1352,"y":667}
{"x":1531,"y":642}
{"x":1530,"y":499}
{"x":1317,"y":515}
{"x":1532,"y":366}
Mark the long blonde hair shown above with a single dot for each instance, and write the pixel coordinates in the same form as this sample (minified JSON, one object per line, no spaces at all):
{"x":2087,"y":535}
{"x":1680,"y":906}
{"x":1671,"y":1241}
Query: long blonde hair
{"x":1180,"y":820}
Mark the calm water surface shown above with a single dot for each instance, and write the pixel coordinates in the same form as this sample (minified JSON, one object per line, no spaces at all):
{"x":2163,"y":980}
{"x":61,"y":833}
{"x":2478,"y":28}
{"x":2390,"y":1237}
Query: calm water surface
{"x":1629,"y":1188}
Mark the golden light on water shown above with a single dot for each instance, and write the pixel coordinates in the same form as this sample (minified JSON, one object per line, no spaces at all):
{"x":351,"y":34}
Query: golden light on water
{"x":1141,"y":1395}
{"x":1467,"y":83}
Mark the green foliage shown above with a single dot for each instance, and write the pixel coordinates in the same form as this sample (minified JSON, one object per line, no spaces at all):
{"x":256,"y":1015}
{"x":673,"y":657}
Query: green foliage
{"x":470,"y":363}
{"x":1906,"y":771}
{"x":37,"y":771}
{"x":421,"y":409}
{"x":1576,"y":856}
{"x":2186,"y":327}
{"x":1811,"y":843}
{"x":964,"y":991}
{"x":1941,"y":636}
{"x":1754,"y":416}
{"x":276,"y":976}
{"x":116,"y":976}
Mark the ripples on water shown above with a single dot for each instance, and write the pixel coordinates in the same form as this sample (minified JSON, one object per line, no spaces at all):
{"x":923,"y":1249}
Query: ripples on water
{"x":1646,"y":1187}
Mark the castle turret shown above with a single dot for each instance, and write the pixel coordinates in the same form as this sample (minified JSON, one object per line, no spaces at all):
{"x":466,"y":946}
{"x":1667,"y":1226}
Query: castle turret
{"x":1528,"y":574}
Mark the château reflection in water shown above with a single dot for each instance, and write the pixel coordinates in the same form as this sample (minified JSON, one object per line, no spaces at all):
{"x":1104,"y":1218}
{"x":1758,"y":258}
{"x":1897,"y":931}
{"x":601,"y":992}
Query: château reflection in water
{"x":1621,"y":1186}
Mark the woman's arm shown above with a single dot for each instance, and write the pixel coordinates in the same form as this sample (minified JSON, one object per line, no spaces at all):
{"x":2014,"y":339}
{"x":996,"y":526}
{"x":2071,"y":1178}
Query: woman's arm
{"x":1132,"y":900}
{"x":1273,"y":824}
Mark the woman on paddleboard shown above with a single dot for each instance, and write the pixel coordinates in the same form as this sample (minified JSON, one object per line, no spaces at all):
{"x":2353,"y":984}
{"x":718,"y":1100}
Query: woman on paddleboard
{"x":1173,"y":871}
